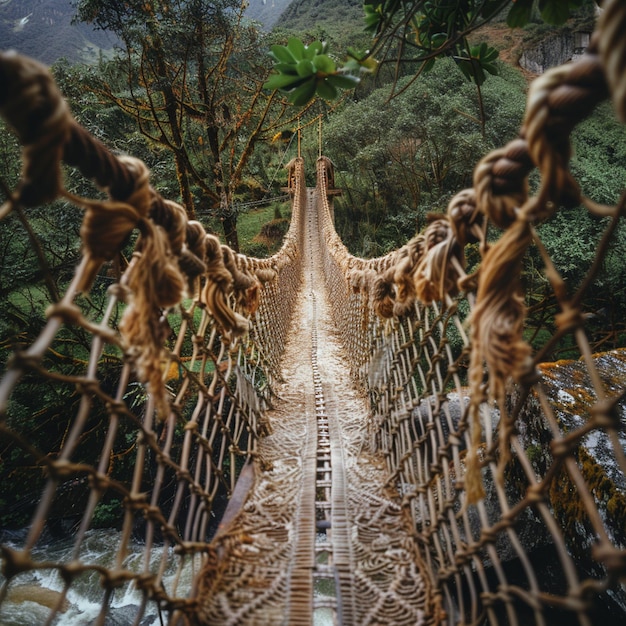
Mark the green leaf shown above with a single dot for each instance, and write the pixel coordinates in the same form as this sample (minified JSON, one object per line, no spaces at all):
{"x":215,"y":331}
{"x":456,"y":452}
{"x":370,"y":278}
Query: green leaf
{"x":351,"y":66}
{"x":378,"y":13}
{"x":282,"y":81}
{"x":438,"y":39}
{"x":481,"y":60}
{"x":428,"y":65}
{"x":325,"y":90}
{"x":557,"y":11}
{"x":554,"y":12}
{"x":296,"y":47}
{"x":478,"y":76}
{"x":304,"y":93}
{"x":373,"y":18}
{"x":281,"y":54}
{"x":465,"y":66}
{"x":484,"y":53}
{"x":491,"y":68}
{"x":520,"y":13}
{"x":343,"y":81}
{"x":324,"y":64}
{"x":360,"y":61}
{"x":356,"y":54}
{"x":305,"y":68}
{"x":490,"y":54}
{"x":370,"y":64}
{"x":286,"y":68}
{"x":471,"y":69}
{"x":315,"y":47}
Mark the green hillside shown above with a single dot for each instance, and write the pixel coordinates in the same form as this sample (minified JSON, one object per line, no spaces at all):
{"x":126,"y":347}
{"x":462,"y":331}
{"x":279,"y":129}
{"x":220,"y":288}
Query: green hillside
{"x":266,"y":12}
{"x":333,"y":16}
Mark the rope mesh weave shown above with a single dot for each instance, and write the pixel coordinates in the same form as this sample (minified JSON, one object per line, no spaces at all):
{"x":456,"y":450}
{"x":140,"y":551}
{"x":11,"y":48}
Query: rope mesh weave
{"x":511,"y":518}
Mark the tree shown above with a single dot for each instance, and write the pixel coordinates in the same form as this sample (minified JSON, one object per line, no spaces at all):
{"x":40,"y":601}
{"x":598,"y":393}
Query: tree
{"x":194,"y":73}
{"x":400,"y":166}
{"x":418,"y":33}
{"x":412,"y":34}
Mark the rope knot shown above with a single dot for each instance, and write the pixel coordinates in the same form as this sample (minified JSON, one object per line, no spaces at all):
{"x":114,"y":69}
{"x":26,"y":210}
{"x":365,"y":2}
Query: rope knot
{"x":32,"y":104}
{"x":435,"y":275}
{"x":500,"y":182}
{"x":465,"y":219}
{"x":217,"y":290}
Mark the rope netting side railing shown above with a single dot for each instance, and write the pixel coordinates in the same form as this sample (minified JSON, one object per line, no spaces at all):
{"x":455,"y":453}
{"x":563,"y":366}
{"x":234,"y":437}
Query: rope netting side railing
{"x":517,"y":504}
{"x":163,"y":399}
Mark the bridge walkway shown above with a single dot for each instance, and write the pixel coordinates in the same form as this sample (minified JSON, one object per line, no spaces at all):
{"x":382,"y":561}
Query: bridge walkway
{"x":318,"y":538}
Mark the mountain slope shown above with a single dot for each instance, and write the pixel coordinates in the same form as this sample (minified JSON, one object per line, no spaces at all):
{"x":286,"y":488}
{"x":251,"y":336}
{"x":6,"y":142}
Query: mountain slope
{"x":304,"y":15}
{"x":42,"y":29}
{"x":266,"y":12}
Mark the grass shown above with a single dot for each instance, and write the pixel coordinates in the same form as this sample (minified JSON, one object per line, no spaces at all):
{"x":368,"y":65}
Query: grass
{"x":249,"y":226}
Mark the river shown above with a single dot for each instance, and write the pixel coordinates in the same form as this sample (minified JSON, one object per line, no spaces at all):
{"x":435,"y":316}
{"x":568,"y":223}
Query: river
{"x":32,"y":593}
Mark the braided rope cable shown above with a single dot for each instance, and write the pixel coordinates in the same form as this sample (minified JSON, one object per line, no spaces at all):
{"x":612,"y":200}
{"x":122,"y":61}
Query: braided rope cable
{"x":557,"y":101}
{"x":33,"y":106}
{"x":230,"y":371}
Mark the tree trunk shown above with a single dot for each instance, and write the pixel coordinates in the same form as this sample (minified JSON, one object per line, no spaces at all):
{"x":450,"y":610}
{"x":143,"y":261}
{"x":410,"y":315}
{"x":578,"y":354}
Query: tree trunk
{"x":229,"y":221}
{"x":185,"y":188}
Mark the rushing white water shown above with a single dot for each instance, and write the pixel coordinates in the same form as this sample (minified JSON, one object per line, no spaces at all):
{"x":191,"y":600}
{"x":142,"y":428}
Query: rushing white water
{"x":86,"y":593}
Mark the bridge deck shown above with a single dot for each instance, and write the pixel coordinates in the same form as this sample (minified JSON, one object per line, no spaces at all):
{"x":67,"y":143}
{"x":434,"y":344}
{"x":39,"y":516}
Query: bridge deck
{"x":319,"y":538}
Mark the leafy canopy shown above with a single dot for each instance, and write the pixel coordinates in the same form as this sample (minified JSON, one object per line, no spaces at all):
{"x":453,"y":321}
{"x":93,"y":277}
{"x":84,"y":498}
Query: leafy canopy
{"x":407,"y":32}
{"x":193,"y":82}
{"x":552,"y":11}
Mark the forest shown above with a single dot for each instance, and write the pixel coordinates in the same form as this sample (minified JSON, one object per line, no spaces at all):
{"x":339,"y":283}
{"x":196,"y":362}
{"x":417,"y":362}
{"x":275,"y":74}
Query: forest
{"x":187,"y":93}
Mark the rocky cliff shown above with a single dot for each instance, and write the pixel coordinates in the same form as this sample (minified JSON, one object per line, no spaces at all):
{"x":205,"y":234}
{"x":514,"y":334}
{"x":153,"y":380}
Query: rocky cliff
{"x":553,"y":50}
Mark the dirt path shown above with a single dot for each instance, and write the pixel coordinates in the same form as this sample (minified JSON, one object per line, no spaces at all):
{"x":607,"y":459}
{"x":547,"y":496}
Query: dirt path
{"x":319,"y":539}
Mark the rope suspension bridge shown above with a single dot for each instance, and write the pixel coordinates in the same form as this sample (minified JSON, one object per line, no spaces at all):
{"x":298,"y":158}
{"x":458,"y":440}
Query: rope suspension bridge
{"x":321,"y":438}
